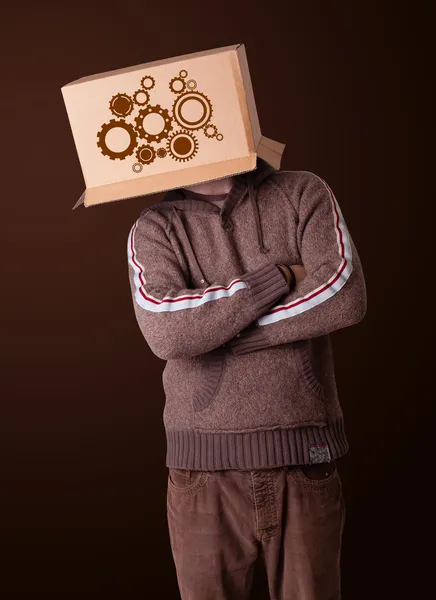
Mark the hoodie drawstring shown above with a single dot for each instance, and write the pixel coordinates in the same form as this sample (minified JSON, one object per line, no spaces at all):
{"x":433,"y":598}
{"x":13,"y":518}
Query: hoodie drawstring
{"x":193,"y":263}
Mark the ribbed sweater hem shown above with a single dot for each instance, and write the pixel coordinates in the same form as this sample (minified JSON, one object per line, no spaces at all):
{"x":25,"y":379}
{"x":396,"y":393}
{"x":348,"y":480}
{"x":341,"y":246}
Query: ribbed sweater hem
{"x":261,"y":449}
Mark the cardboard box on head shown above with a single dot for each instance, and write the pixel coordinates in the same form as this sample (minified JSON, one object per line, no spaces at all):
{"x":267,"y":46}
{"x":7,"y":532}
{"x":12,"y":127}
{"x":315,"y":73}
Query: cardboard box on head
{"x":166,"y":124}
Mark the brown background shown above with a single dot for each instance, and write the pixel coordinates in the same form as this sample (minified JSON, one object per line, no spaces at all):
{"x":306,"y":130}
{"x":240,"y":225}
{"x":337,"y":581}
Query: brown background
{"x":82,"y":447}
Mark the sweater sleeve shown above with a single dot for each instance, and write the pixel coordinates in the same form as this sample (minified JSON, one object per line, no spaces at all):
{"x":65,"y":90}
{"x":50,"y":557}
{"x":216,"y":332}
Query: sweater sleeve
{"x":177,"y":321}
{"x":332,"y":295}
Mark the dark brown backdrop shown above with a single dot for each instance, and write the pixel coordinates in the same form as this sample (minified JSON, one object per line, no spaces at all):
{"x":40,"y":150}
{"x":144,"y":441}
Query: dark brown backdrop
{"x":82,"y":448}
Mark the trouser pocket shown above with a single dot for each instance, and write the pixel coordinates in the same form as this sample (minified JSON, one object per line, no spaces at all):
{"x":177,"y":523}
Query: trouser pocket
{"x":184,"y":480}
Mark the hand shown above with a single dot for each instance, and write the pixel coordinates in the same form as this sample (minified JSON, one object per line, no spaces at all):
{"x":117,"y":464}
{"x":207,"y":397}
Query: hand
{"x":299,"y":272}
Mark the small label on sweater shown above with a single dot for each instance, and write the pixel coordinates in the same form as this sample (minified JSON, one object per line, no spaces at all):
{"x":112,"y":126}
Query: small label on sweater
{"x":319,"y":453}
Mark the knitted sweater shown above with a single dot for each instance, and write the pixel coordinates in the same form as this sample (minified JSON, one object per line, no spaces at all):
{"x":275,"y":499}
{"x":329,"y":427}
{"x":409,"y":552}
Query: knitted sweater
{"x":249,"y":377}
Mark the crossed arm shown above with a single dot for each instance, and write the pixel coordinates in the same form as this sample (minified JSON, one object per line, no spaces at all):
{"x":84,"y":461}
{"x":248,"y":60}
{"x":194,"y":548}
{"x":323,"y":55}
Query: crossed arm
{"x":330,"y":293}
{"x":255,"y":310}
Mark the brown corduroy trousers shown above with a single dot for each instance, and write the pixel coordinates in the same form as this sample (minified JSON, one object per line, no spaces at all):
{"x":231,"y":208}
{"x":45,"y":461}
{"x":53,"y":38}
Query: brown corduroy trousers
{"x":219,"y":522}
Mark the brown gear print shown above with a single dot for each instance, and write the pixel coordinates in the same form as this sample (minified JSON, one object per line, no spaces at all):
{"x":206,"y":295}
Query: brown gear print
{"x":177,"y":85}
{"x":183,"y":73}
{"x":141,"y":97}
{"x":161,"y":152}
{"x":153,"y":123}
{"x":182,"y":146}
{"x":210,"y":130}
{"x":192,"y":110}
{"x":146,"y":154}
{"x":148,"y":82}
{"x":121,"y":105}
{"x":113,"y":125}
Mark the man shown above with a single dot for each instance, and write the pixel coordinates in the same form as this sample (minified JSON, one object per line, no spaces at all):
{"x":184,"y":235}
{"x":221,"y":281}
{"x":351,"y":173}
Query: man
{"x":237,"y":284}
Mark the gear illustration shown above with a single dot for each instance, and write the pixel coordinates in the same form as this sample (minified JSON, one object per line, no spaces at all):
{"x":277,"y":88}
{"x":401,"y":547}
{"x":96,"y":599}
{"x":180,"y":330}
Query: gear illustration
{"x":161,"y":152}
{"x":121,"y":105}
{"x":137,"y":167}
{"x":141,"y":97}
{"x":177,"y":85}
{"x":191,"y":84}
{"x":153,"y":123}
{"x":148,"y":82}
{"x":182,"y":146}
{"x":220,"y":137}
{"x":210,"y":130}
{"x":109,"y":127}
{"x":183,"y":73}
{"x":146,"y":154}
{"x":192,"y":110}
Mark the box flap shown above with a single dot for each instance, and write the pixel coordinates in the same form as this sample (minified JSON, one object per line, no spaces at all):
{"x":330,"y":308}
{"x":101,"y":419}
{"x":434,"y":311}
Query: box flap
{"x":124,"y":190}
{"x":271,"y":151}
{"x":80,"y":201}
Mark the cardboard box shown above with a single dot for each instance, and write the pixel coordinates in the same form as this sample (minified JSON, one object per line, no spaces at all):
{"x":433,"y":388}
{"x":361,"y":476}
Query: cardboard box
{"x":166,"y":124}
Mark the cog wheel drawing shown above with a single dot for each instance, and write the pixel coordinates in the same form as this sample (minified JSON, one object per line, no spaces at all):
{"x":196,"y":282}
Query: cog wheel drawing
{"x":220,"y":137}
{"x":121,"y":105}
{"x":192,"y":110}
{"x":148,"y":82}
{"x":136,"y":167}
{"x":183,"y":73}
{"x":177,"y":85}
{"x":153,"y":123}
{"x":146,"y":154}
{"x":210,"y":130}
{"x":182,"y":146}
{"x":191,"y":84}
{"x":141,"y":97}
{"x":161,"y":152}
{"x":112,"y":126}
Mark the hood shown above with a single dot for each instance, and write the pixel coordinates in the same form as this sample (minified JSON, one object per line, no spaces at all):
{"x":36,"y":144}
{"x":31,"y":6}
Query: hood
{"x":183,"y":199}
